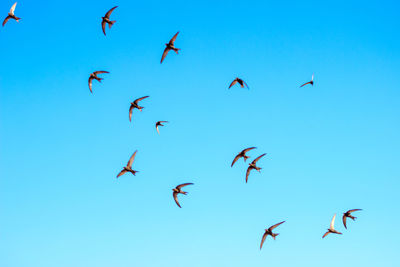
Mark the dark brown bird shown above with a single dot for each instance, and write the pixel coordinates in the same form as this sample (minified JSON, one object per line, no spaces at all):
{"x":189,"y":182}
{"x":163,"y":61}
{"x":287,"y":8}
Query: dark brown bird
{"x":94,"y":76}
{"x":310,"y":82}
{"x":106,"y":20}
{"x":240,"y":81}
{"x":11,"y":15}
{"x":252,"y":166}
{"x":128,"y":167}
{"x":135,"y":104}
{"x":170,"y":46}
{"x":177,"y":190}
{"x":160,"y":123}
{"x":347,"y":214}
{"x":243,"y":155}
{"x":269,"y":232}
{"x":331,"y":229}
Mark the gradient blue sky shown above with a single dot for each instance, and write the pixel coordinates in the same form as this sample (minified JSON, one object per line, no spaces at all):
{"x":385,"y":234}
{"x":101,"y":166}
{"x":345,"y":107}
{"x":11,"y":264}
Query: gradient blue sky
{"x":331,"y":147}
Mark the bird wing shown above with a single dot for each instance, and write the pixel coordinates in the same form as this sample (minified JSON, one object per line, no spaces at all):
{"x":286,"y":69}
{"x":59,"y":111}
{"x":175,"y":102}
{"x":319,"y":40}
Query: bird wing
{"x":165,"y":53}
{"x":157,"y":129}
{"x":130,"y":112}
{"x":353,"y":210}
{"x":259,"y":157}
{"x":100,"y":72}
{"x":248,"y":172}
{"x":107,"y":15}
{"x":140,"y":99}
{"x":121,"y":173}
{"x":103,"y":26}
{"x":332,"y":226}
{"x":263,"y":239}
{"x":305,"y":84}
{"x":131,"y":160}
{"x":183,"y":185}
{"x":246,"y":84}
{"x":312,"y":78}
{"x":175,"y":194}
{"x":238,"y":156}
{"x":5,"y":20}
{"x":248,"y":149}
{"x":344,"y":220}
{"x":233,"y":83}
{"x":327,"y":233}
{"x":172,"y":41}
{"x":275,"y":225}
{"x":13,"y":8}
{"x":90,"y":84}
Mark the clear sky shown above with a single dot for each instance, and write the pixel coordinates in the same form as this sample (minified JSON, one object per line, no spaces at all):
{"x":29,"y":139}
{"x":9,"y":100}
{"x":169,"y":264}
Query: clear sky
{"x":331,"y":147}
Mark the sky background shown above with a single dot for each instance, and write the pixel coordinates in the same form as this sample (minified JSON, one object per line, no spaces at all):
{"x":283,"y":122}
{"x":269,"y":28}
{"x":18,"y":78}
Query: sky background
{"x":331,"y":147}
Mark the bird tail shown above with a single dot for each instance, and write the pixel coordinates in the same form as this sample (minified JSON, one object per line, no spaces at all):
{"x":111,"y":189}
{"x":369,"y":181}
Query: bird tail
{"x":111,"y":23}
{"x":17,"y":19}
{"x":245,"y":158}
{"x":177,"y":50}
{"x":274,"y":235}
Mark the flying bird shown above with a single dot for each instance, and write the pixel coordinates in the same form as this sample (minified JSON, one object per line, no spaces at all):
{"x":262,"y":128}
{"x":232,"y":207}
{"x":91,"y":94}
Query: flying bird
{"x":347,"y":214}
{"x":252,"y":166}
{"x":332,"y":228}
{"x":11,"y":15}
{"x":135,"y":104}
{"x":160,"y":123}
{"x":94,"y":76}
{"x":170,"y":46}
{"x":106,"y":20}
{"x":310,"y":82}
{"x":243,"y":155}
{"x":128,"y":167}
{"x":177,"y":190}
{"x":269,"y":232}
{"x":240,"y":81}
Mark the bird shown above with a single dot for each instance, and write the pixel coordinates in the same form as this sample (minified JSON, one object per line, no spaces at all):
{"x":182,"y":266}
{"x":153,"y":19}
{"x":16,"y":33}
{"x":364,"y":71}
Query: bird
{"x":252,"y":166}
{"x":128,"y":167}
{"x":160,"y":123}
{"x":11,"y":15}
{"x":170,"y":46}
{"x":269,"y":232}
{"x":310,"y":82}
{"x":243,"y":155}
{"x":94,"y":76}
{"x":106,"y":20}
{"x":347,"y":214}
{"x":332,"y":228}
{"x":240,"y":81}
{"x":134,"y":105}
{"x":177,"y":190}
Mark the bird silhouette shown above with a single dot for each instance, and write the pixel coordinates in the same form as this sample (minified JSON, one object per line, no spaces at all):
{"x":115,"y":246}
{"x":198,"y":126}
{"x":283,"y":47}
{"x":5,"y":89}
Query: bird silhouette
{"x":240,"y":81}
{"x":331,"y":229}
{"x":128,"y":167}
{"x":252,"y":166}
{"x":177,"y":190}
{"x":310,"y":82}
{"x":242,"y":154}
{"x":95,"y":77}
{"x":170,"y":46}
{"x":347,"y":214}
{"x":11,"y":15}
{"x":135,"y":104}
{"x":160,"y":123}
{"x":269,"y":232}
{"x":106,"y":20}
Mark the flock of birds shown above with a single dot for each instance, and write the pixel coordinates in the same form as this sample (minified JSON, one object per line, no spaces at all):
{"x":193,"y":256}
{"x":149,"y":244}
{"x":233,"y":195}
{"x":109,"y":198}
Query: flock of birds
{"x":135,"y":105}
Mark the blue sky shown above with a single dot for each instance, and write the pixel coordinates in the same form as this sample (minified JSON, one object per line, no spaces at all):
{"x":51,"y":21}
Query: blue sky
{"x":330,"y":148}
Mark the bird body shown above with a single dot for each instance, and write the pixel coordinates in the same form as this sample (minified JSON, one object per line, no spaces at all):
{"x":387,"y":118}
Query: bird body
{"x":93,"y":76}
{"x":331,"y":229}
{"x":242,"y":154}
{"x":178,"y":190}
{"x":253,"y":166}
{"x":128,"y":167}
{"x":239,"y":81}
{"x":11,"y":15}
{"x":170,"y":46}
{"x":160,"y":123}
{"x":347,"y":214}
{"x":106,"y":20}
{"x":269,"y":232}
{"x":135,"y":104}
